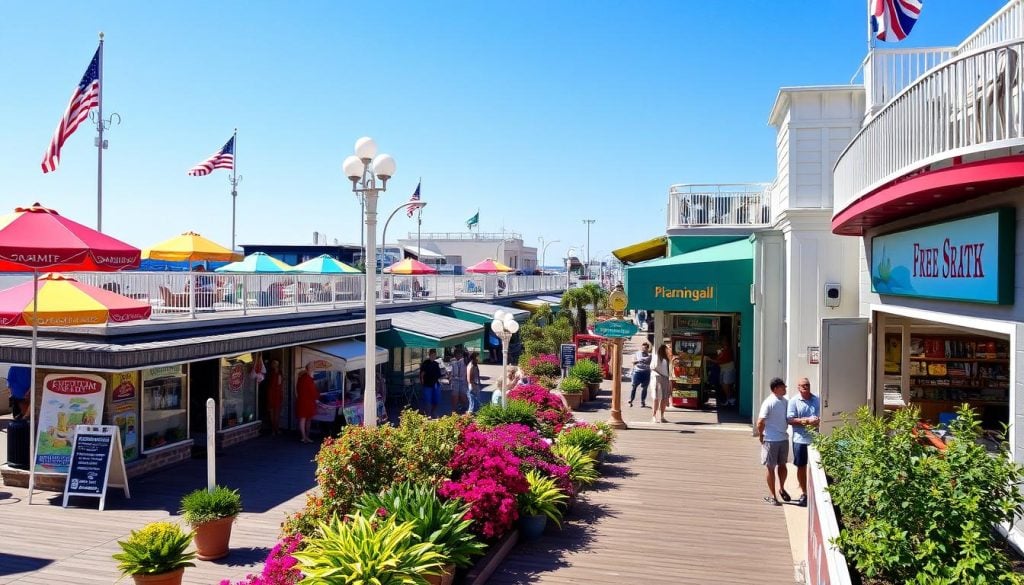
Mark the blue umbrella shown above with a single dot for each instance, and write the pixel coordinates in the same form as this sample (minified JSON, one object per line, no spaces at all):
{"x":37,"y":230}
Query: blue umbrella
{"x":325,"y":264}
{"x":256,"y":262}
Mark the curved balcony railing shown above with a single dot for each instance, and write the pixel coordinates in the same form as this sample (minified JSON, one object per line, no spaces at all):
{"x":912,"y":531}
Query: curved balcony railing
{"x":969,"y":104}
{"x":723,"y":205}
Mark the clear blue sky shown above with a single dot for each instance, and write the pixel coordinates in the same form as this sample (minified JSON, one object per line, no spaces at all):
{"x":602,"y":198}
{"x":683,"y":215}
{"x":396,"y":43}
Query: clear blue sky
{"x":538,"y":113}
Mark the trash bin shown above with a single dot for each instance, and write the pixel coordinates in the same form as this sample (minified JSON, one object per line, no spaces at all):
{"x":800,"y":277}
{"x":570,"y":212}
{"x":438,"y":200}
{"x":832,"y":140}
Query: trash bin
{"x":17,"y":444}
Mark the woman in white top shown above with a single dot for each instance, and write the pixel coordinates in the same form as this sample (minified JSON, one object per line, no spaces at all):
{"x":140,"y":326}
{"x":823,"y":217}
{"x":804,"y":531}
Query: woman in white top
{"x":662,"y":384}
{"x":473,"y":376}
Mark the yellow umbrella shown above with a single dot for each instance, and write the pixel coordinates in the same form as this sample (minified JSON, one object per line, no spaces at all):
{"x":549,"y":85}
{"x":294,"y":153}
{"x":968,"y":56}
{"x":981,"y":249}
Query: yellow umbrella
{"x":190,"y":247}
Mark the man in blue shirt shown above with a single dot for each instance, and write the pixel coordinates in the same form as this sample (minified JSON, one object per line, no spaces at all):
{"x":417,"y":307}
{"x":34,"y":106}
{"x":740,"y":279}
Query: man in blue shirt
{"x":804,"y":414}
{"x":771,"y":430}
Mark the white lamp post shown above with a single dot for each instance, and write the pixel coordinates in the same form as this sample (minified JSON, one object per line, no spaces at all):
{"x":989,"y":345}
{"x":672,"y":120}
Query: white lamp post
{"x":504,"y":326}
{"x":364,"y":169}
{"x":544,"y":252}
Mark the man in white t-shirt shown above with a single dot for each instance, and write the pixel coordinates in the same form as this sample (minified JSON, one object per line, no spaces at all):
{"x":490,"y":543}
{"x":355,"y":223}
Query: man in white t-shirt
{"x":771,"y":431}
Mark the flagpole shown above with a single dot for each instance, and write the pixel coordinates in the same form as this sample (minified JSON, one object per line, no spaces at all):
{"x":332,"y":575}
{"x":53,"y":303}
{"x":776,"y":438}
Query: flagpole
{"x":99,"y":146}
{"x":419,"y":225}
{"x":234,"y":184}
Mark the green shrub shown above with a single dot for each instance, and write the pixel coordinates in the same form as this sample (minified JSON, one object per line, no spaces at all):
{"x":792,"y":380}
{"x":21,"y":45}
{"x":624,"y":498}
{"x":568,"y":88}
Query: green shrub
{"x":588,"y":371}
{"x":582,"y":467}
{"x":573,"y":385}
{"x":159,"y":547}
{"x":514,"y":411}
{"x":588,"y":437}
{"x":359,"y":460}
{"x":381,"y":551}
{"x":543,"y":498}
{"x":427,"y":446}
{"x":439,"y":522}
{"x":549,"y":382}
{"x":914,"y":514}
{"x":202,"y":506}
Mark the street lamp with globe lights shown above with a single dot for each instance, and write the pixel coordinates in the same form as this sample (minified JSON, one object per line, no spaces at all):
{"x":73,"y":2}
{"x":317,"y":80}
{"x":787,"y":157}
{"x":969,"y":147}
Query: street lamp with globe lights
{"x":365,"y":168}
{"x":504,"y":326}
{"x":544,"y":252}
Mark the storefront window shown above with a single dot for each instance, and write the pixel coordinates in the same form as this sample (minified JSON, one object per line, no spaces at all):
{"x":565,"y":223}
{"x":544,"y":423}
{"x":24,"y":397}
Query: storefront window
{"x":237,"y":391}
{"x":164,"y":407}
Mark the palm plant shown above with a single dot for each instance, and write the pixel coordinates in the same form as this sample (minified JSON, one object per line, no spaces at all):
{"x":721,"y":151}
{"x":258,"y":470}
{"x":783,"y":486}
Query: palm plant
{"x":582,"y":467}
{"x":159,"y":547}
{"x":596,"y":296}
{"x":577,"y":300}
{"x":543,"y":498}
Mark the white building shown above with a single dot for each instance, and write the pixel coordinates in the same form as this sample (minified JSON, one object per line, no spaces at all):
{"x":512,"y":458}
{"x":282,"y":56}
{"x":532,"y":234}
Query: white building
{"x":467,"y":248}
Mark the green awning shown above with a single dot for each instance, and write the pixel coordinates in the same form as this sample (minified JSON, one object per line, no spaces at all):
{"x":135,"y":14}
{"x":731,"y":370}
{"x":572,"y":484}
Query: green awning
{"x":426,"y":330}
{"x":481,"y":313}
{"x":714,"y":279}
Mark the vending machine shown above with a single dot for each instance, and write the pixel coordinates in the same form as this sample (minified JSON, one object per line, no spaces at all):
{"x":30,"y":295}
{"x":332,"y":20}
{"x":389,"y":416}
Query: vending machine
{"x":687,"y":372}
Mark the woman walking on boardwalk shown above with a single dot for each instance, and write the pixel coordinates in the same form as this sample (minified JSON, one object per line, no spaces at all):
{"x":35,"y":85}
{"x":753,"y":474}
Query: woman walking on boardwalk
{"x":305,"y":401}
{"x":662,"y":385}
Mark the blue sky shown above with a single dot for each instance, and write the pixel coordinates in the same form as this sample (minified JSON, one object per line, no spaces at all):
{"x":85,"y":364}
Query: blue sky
{"x":538,"y":113}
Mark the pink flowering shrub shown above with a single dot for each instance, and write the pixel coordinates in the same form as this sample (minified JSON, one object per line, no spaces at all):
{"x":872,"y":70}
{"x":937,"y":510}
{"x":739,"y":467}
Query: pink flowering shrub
{"x":279,"y":568}
{"x":545,"y":364}
{"x":551,"y":413}
{"x":533,"y":451}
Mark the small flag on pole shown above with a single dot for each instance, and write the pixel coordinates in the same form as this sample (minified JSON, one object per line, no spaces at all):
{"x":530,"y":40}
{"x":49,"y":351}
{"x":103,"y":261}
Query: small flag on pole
{"x":222,"y":159}
{"x":473,"y":220}
{"x":892,"y":20}
{"x":415,"y":197}
{"x":85,"y":97}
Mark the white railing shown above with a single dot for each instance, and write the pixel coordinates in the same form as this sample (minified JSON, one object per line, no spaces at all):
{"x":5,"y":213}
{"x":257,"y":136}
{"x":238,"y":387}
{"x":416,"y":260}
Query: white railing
{"x":724,"y":205}
{"x":187,"y":295}
{"x":426,"y":236}
{"x":1005,"y":25}
{"x":888,"y":71}
{"x":970,"y":104}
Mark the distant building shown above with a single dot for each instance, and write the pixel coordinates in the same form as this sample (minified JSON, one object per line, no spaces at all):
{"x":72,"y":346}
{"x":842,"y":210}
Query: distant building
{"x":463,"y":249}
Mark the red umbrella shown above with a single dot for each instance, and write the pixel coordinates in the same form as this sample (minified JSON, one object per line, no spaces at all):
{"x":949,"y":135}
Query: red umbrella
{"x":37,"y":238}
{"x":67,"y":302}
{"x":489,"y":266}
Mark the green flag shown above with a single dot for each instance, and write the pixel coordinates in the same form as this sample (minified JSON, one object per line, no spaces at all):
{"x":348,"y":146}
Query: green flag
{"x":473,"y":220}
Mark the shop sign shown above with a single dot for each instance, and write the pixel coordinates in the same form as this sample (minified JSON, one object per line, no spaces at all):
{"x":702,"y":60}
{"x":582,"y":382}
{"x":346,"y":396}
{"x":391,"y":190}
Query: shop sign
{"x":68,"y":400}
{"x":615,"y":328}
{"x":124,"y":386}
{"x":695,"y":323}
{"x":162,"y":372}
{"x":237,"y":377}
{"x":567,"y":355}
{"x":321,"y":364}
{"x":968,"y":259}
{"x":689,"y":293}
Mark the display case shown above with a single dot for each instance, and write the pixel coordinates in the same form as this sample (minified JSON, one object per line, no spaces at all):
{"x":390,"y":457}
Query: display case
{"x":946,"y":371}
{"x":164,"y":407}
{"x":687,"y":371}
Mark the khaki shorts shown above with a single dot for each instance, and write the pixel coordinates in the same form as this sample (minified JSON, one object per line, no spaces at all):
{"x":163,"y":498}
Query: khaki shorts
{"x":774,"y":453}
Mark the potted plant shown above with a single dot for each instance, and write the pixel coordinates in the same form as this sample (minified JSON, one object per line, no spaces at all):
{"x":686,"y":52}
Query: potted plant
{"x":442,"y":523}
{"x":211,"y":513}
{"x":572,"y":389}
{"x":155,"y":555}
{"x":582,"y":467}
{"x":590,"y":439}
{"x":376,"y":550}
{"x":591,"y":374}
{"x":541,"y":502}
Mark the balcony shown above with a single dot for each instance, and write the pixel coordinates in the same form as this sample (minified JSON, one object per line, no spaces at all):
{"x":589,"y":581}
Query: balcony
{"x":177,"y":296}
{"x":948,"y":135}
{"x":738,"y":205}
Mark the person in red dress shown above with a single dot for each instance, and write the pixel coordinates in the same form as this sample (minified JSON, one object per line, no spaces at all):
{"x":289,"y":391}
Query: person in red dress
{"x":305,"y":401}
{"x":275,"y":395}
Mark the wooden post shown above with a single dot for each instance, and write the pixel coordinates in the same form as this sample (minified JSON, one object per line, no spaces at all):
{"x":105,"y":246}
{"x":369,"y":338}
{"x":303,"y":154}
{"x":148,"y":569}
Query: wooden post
{"x":616,"y":421}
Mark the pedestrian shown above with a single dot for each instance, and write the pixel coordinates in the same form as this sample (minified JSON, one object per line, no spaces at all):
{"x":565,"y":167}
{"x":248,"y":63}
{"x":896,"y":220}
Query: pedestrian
{"x":430,"y":382}
{"x":804,"y":415}
{"x":771,"y":431}
{"x":18,"y":382}
{"x":457,"y":381}
{"x":306,"y":396}
{"x":275,"y":396}
{"x":641,"y":374}
{"x":662,"y":384}
{"x":473,"y":378}
{"x":726,"y":372}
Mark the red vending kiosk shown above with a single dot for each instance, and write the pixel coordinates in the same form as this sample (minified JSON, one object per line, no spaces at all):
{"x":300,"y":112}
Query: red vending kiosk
{"x":687,"y":373}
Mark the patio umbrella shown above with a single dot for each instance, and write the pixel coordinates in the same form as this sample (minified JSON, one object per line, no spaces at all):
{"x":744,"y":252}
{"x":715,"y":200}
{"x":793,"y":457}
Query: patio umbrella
{"x":489,"y":266}
{"x":34,"y":239}
{"x":256,"y":262}
{"x":409,"y":266}
{"x":325,"y":264}
{"x":63,"y":302}
{"x":190,"y":247}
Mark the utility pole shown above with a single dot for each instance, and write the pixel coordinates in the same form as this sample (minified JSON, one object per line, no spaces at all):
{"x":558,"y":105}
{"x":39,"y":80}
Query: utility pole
{"x":588,"y":222}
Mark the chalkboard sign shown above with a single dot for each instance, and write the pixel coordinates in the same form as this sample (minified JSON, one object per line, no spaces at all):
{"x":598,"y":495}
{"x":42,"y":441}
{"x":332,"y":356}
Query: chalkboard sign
{"x":567,"y":354}
{"x":95,"y":449}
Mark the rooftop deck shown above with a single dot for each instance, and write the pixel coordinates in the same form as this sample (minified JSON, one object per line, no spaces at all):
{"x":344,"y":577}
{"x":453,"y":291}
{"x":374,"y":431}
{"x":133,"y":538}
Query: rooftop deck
{"x":739,"y":205}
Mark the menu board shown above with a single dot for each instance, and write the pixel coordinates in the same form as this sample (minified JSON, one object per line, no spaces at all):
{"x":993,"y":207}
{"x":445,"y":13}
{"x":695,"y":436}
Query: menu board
{"x":96,"y":449}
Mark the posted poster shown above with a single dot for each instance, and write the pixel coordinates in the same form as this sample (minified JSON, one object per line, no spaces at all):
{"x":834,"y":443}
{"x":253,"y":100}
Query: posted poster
{"x":68,"y":400}
{"x":124,"y":411}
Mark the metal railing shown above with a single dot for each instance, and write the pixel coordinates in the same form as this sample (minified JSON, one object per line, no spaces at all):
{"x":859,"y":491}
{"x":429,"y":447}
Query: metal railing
{"x":1005,"y":25}
{"x":723,"y":205}
{"x":426,"y":236}
{"x":187,"y":295}
{"x":969,"y":104}
{"x":888,"y":71}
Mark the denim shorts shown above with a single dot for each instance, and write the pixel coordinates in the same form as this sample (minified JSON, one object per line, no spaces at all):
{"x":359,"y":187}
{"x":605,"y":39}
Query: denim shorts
{"x":432,"y":394}
{"x":799,"y":454}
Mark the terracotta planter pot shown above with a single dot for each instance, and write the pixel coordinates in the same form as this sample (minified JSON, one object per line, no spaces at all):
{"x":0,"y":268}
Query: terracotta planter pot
{"x":171,"y":578}
{"x":445,"y":579}
{"x":212,"y":539}
{"x":574,"y":400}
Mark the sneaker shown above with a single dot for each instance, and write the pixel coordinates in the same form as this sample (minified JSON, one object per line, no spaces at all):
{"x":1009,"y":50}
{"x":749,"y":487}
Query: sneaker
{"x":631,"y":404}
{"x":802,"y":501}
{"x":642,"y":405}
{"x":654,"y":419}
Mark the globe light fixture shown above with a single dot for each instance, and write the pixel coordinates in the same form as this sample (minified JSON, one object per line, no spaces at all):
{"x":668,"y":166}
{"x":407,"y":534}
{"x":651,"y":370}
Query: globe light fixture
{"x":504,"y":326}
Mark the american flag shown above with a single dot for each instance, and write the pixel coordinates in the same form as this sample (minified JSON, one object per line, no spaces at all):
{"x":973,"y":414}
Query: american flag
{"x":415,"y":197}
{"x":85,"y":98}
{"x":222,"y":159}
{"x":891,"y":20}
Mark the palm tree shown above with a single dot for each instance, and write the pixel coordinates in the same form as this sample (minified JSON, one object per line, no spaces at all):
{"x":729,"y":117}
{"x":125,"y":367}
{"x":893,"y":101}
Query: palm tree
{"x":577,"y":299}
{"x":596,"y":295}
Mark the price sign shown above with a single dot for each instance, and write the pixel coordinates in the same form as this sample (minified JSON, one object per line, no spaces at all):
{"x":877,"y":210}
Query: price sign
{"x":89,"y":473}
{"x":567,"y":355}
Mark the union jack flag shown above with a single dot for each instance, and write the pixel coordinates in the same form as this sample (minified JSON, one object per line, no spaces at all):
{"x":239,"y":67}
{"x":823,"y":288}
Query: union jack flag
{"x":222,"y":159}
{"x":891,"y":20}
{"x":415,"y":197}
{"x":85,"y":97}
